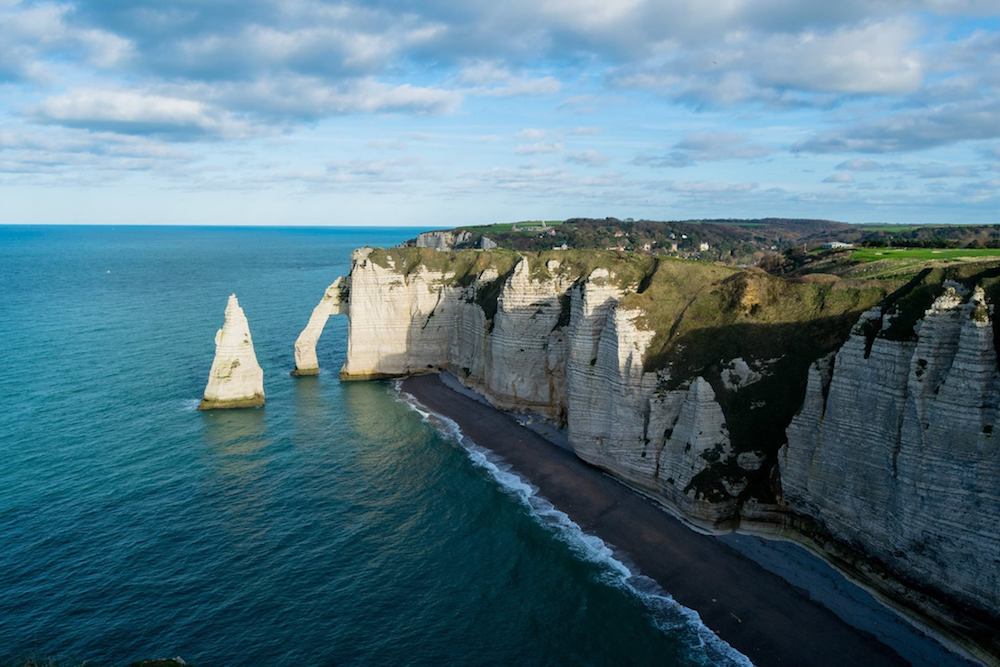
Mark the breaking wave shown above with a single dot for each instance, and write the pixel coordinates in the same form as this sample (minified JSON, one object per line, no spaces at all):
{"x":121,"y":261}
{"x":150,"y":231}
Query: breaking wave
{"x":668,"y":615}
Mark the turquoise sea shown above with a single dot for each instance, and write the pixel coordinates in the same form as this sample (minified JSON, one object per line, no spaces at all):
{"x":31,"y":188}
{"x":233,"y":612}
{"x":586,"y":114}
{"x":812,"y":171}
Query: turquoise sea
{"x":336,"y":526}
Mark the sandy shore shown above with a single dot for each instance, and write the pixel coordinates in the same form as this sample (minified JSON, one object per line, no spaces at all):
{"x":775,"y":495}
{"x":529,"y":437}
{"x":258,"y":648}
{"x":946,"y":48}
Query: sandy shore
{"x":756,"y":611}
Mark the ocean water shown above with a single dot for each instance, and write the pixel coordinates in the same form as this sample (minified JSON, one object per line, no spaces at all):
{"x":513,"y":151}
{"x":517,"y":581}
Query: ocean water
{"x":338,"y":525}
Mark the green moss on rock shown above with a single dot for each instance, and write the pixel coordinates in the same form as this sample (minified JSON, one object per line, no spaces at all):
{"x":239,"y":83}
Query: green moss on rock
{"x":462,"y":266}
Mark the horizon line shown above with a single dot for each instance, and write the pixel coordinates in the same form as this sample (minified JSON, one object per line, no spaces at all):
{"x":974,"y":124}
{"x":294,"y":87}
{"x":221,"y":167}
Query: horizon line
{"x":446,"y":227}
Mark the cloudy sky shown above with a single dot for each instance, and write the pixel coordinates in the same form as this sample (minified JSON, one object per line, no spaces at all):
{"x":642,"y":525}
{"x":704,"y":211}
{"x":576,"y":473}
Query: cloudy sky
{"x":442,"y":112}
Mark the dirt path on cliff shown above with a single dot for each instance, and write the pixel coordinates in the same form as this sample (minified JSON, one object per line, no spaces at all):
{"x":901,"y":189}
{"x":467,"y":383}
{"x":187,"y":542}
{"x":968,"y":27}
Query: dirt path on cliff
{"x":757,"y":612}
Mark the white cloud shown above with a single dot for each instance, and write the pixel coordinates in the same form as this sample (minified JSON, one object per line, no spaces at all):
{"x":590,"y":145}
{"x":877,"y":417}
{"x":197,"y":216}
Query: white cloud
{"x":860,"y":164}
{"x":708,"y":187}
{"x":588,"y":158}
{"x":538,"y":148}
{"x":32,"y":32}
{"x":133,"y":112}
{"x":839,"y":177}
{"x":889,"y":75}
{"x":371,"y":172}
{"x":491,"y":79}
{"x":876,"y":58}
{"x":705,"y":147}
{"x":337,"y":45}
{"x":310,"y":97}
{"x":923,"y":170}
{"x":912,"y":130}
{"x":532,"y":134}
{"x":55,"y":155}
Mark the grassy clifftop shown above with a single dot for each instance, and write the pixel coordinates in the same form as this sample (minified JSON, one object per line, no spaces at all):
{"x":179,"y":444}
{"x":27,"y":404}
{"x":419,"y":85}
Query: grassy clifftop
{"x":704,"y":314}
{"x":750,"y":334}
{"x":677,"y":298}
{"x":464,"y":266}
{"x":692,"y":307}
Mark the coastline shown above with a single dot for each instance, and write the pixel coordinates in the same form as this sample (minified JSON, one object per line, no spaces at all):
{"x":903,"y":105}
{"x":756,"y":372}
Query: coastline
{"x":758,"y":612}
{"x":931,"y":637}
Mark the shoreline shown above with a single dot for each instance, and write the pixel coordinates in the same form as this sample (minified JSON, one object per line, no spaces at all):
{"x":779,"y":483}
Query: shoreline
{"x":936,"y":625}
{"x":956,"y":647}
{"x":755,"y":610}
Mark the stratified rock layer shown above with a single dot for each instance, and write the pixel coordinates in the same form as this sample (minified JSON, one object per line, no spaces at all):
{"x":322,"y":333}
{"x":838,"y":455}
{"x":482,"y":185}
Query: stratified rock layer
{"x":558,"y":345}
{"x":890,"y":460}
{"x":306,"y":362}
{"x":236,"y":380}
{"x":894,"y":450}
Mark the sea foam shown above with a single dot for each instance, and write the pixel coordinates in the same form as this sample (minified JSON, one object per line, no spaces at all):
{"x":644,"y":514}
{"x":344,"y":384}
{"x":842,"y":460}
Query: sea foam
{"x":667,"y":614}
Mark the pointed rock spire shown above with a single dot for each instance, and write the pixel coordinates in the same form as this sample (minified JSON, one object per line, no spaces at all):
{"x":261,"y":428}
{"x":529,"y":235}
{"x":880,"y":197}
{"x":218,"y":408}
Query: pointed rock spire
{"x":236,"y":379}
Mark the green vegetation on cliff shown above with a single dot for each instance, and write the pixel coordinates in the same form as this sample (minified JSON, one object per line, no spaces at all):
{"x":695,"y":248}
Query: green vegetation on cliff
{"x":752,"y":335}
{"x":693,"y":306}
{"x":464,"y":266}
{"x":627,"y":269}
{"x":709,"y":318}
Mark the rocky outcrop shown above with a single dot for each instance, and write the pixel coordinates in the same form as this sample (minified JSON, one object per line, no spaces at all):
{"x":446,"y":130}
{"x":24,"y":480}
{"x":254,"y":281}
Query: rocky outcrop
{"x":235,"y":380}
{"x":557,"y":344}
{"x":444,"y":240}
{"x":889,"y":458}
{"x":335,"y":295}
{"x":893,"y":450}
{"x":400,"y":323}
{"x":526,"y":346}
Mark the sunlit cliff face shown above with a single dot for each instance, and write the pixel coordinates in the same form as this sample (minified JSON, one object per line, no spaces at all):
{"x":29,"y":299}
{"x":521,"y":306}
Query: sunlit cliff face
{"x":778,"y":435}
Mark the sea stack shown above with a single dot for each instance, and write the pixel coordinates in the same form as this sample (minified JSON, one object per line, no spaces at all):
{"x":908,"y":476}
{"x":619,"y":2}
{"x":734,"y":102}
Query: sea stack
{"x":306,"y":362}
{"x":236,"y":379}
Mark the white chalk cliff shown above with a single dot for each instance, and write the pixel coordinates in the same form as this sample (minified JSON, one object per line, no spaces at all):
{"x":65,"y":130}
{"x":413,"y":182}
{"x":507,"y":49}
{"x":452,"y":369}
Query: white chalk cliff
{"x":306,"y":362}
{"x":894,"y":449}
{"x":557,"y":345}
{"x":236,"y":380}
{"x":891,"y":456}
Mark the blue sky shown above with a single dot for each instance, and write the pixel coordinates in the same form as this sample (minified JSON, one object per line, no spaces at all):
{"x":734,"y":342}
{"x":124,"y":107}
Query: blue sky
{"x":304,"y":112}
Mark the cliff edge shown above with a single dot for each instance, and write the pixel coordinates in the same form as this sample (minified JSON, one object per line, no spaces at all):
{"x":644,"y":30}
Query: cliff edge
{"x":854,"y":416}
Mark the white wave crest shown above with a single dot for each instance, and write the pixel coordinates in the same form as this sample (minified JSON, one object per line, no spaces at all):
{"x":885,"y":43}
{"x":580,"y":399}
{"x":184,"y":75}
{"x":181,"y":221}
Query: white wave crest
{"x":667,"y":614}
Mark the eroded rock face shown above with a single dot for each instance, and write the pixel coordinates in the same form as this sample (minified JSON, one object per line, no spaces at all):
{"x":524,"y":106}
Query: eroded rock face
{"x":335,"y":295}
{"x":235,"y":380}
{"x":582,"y":368}
{"x":525,"y":347}
{"x":443,"y":240}
{"x":400,"y":323}
{"x":891,"y":453}
{"x":899,"y":455}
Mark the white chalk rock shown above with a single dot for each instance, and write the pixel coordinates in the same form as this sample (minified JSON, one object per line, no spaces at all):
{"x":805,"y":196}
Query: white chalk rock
{"x":894,"y":449}
{"x":306,"y":362}
{"x":236,"y":379}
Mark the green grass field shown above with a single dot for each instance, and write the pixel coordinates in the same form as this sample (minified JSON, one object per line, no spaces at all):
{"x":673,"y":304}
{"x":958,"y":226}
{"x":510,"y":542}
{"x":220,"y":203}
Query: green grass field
{"x":878,"y":227}
{"x":876,"y":254}
{"x":509,"y":226}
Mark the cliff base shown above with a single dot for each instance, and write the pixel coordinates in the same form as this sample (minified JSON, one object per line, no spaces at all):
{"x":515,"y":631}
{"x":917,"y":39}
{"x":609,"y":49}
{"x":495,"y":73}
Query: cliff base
{"x":252,"y":402}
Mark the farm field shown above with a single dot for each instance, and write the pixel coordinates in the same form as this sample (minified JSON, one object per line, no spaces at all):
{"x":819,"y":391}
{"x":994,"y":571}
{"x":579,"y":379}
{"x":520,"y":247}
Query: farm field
{"x":877,"y":254}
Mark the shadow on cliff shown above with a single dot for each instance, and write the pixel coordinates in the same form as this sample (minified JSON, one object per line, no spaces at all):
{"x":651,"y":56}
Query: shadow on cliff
{"x":758,"y":413}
